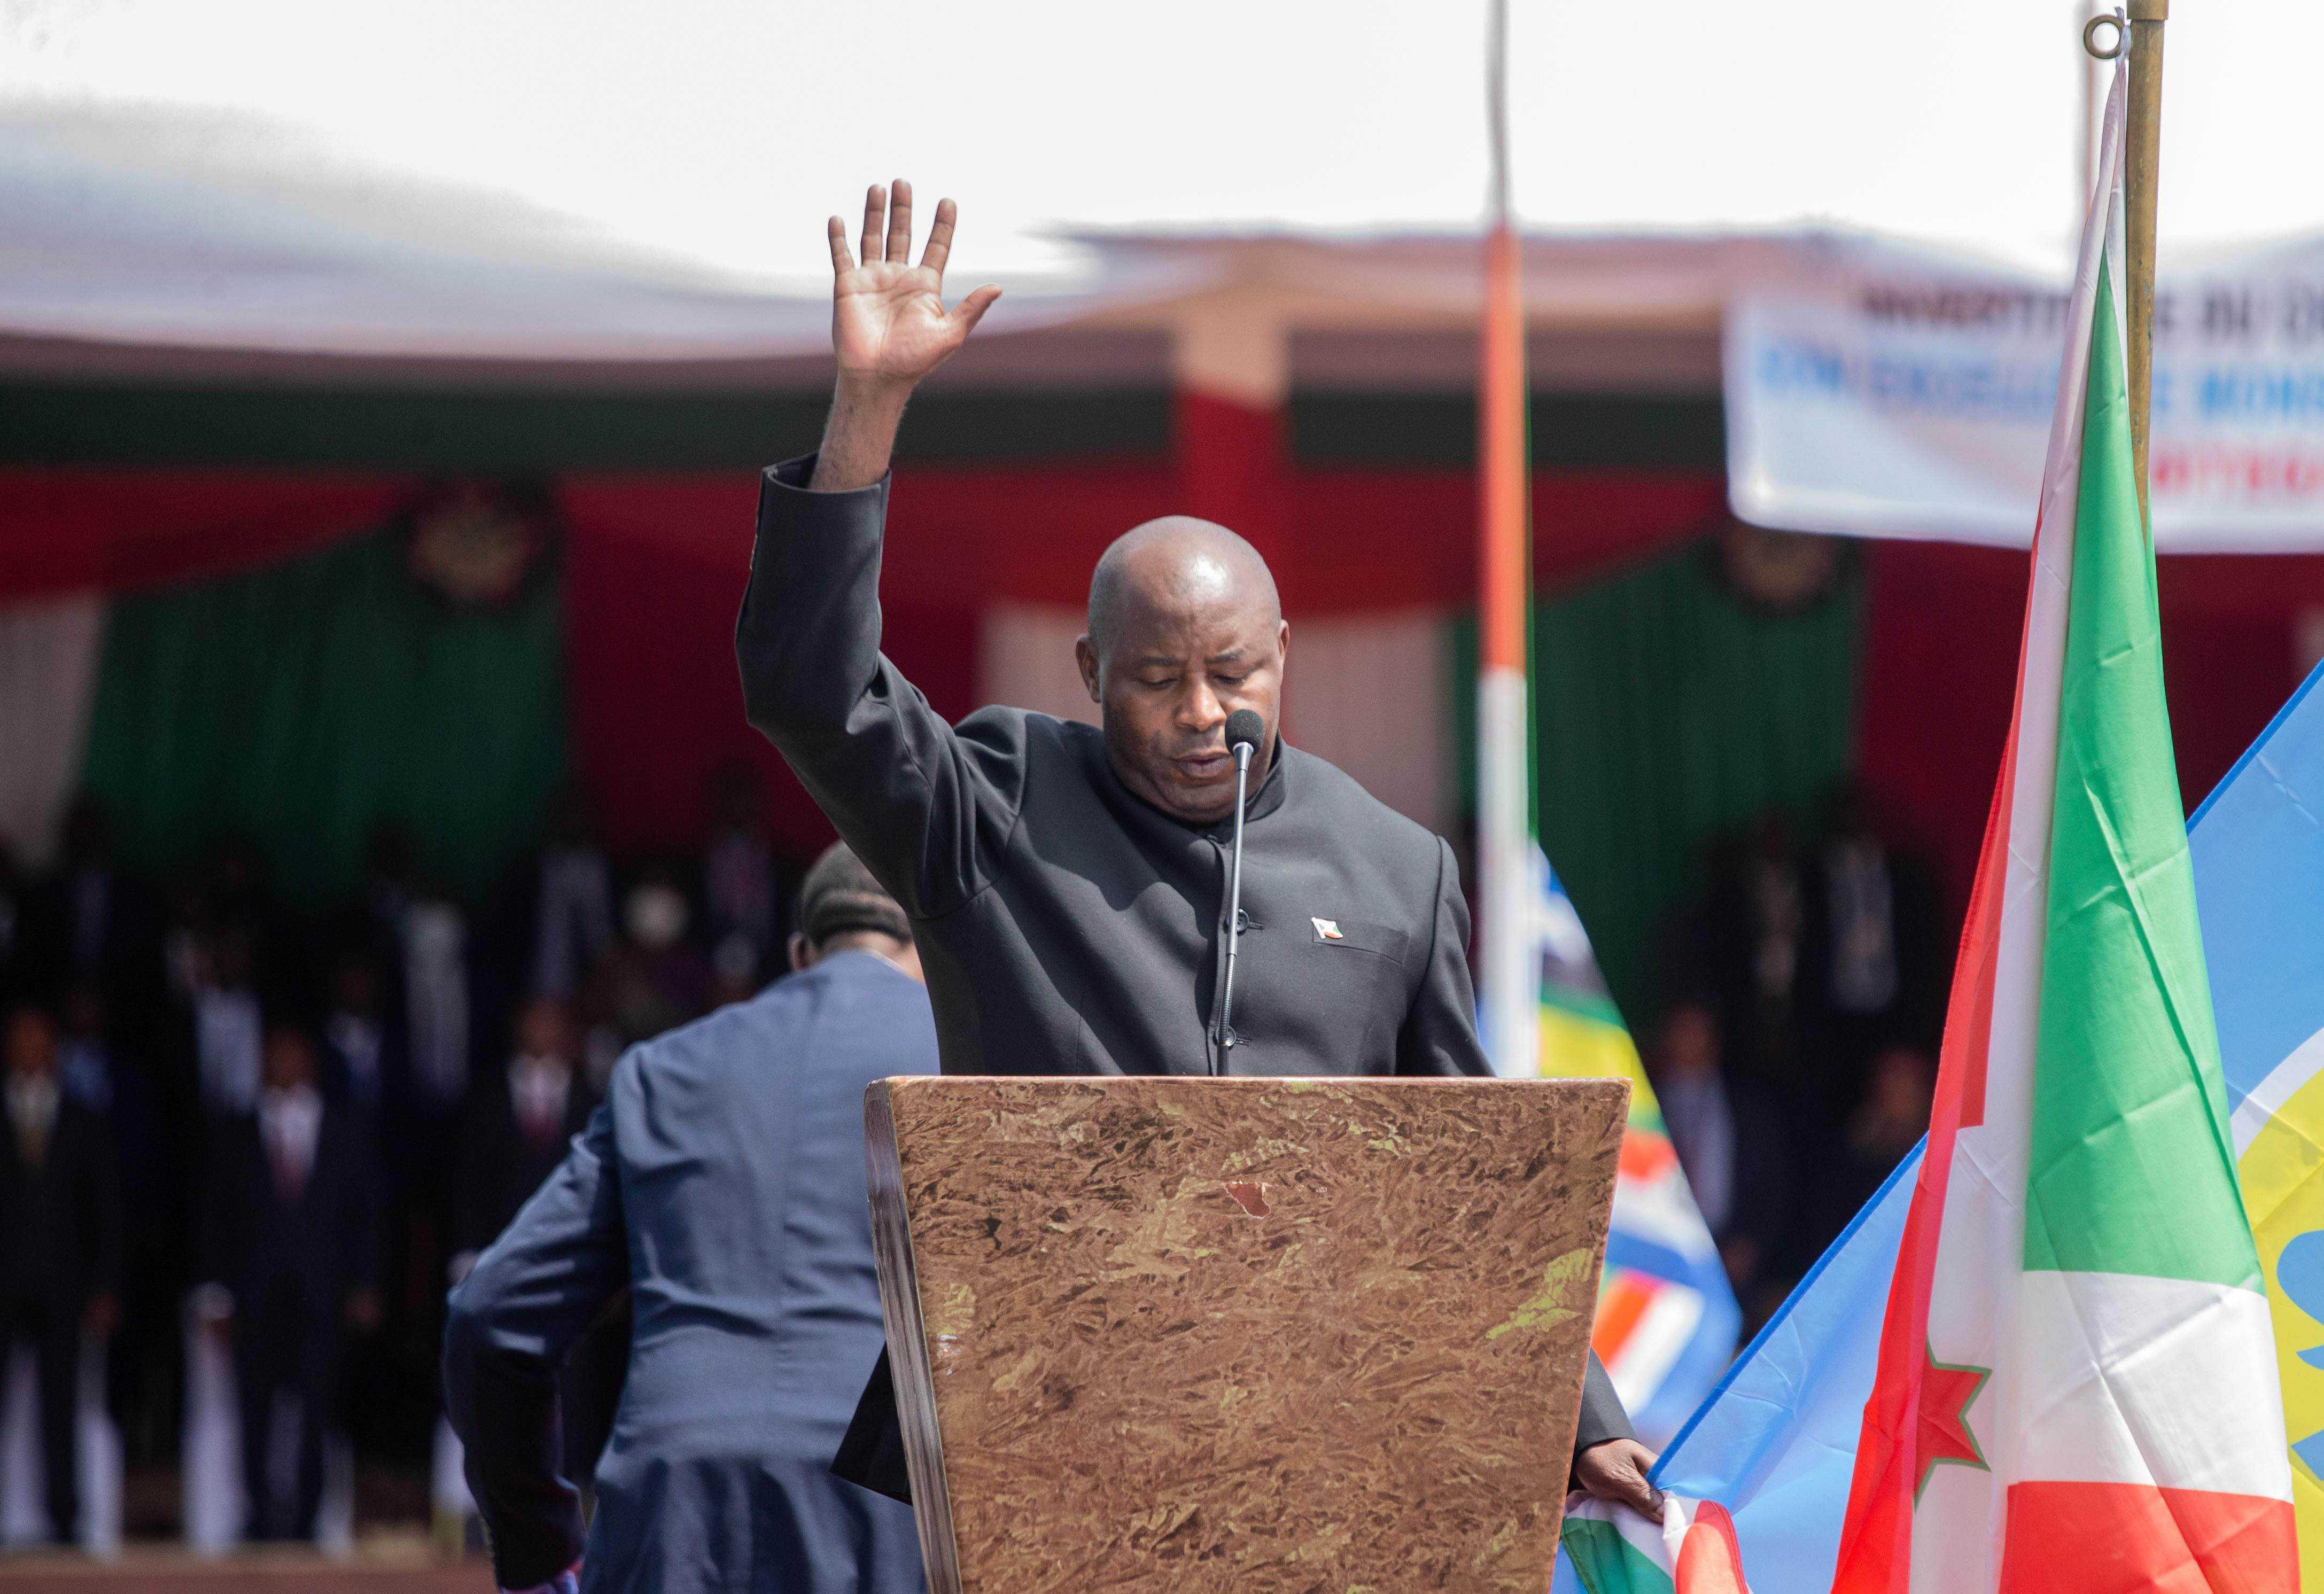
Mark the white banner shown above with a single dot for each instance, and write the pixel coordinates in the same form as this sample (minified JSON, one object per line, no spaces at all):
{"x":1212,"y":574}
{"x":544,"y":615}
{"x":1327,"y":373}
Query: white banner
{"x":1883,"y":391}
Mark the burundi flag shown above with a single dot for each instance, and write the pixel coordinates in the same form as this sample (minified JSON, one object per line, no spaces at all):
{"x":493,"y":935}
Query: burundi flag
{"x":2076,"y":1387}
{"x":1667,"y":1320}
{"x":1691,"y":1550}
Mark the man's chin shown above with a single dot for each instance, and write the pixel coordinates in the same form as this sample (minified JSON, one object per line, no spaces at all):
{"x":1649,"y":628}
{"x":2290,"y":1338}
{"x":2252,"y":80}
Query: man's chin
{"x":1203,"y":803}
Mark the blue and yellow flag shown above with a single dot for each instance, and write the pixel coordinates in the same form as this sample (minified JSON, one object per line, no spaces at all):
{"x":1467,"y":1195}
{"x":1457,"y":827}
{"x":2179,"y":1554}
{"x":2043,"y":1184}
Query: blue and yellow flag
{"x":1667,"y":1316}
{"x":2258,"y":848}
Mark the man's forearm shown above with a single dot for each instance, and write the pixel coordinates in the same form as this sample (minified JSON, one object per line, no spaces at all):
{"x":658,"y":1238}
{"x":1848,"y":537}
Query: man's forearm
{"x":861,"y":435}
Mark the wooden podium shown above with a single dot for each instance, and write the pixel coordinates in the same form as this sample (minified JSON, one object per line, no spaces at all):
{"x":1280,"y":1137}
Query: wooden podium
{"x":1239,"y":1334}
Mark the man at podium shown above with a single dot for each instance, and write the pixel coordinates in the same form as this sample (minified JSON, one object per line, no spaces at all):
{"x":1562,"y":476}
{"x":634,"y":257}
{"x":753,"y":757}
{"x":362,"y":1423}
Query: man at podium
{"x":1067,"y":885}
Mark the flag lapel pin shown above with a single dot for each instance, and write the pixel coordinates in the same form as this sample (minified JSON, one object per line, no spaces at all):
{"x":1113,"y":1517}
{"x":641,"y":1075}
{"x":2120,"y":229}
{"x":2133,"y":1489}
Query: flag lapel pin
{"x":1327,"y":929}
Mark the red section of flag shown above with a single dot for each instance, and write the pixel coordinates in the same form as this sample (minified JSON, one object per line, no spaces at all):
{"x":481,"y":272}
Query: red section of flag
{"x":2128,"y":1538}
{"x":1875,"y":1541}
{"x":1947,"y":1393}
{"x":1622,"y":1300}
{"x":1645,"y":1156}
{"x":1710,"y":1561}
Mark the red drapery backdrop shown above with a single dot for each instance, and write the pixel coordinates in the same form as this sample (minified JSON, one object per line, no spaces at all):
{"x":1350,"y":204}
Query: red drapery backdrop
{"x":1940,"y":661}
{"x":654,"y":566}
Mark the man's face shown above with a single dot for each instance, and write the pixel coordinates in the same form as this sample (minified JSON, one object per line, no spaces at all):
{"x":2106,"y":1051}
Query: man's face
{"x":31,"y":1044}
{"x":1180,"y":656}
{"x":541,"y":1029}
{"x":290,"y":1061}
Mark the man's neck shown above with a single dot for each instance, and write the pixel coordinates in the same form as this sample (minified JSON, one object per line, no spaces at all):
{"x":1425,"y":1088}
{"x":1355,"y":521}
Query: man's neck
{"x":900,"y":955}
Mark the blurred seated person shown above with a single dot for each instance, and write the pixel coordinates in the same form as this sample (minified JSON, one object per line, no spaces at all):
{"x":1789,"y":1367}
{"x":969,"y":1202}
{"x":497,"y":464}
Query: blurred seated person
{"x":1732,"y":1145}
{"x":60,"y":1242}
{"x":723,"y":1184}
{"x":289,"y":1262}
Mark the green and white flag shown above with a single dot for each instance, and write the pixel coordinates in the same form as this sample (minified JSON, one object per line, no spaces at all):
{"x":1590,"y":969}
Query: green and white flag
{"x":2077,"y":1390}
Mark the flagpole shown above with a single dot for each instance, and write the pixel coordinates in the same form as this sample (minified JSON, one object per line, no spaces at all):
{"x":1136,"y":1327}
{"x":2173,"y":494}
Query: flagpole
{"x":1510,"y":981}
{"x":2142,"y":158}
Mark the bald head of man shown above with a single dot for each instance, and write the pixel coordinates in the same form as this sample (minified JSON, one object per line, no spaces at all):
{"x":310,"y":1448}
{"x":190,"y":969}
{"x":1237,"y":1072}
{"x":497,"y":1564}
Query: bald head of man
{"x":1184,"y":628}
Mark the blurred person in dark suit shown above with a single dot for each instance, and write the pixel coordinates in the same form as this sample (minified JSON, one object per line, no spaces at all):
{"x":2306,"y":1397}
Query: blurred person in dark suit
{"x":1736,"y":1148}
{"x":723,"y":1184}
{"x":1874,"y":948}
{"x":442,"y":1018}
{"x":238,"y":887}
{"x":229,"y":1022}
{"x":1748,"y":949}
{"x":144,"y":1128}
{"x":661,"y":977}
{"x":12,"y":923}
{"x":365,"y":1078}
{"x":356,"y":1065}
{"x":571,"y":900}
{"x":739,"y":881}
{"x":88,"y":918}
{"x":1887,"y":1124}
{"x":291,"y":1261}
{"x":518,"y":1129}
{"x":60,"y":1241}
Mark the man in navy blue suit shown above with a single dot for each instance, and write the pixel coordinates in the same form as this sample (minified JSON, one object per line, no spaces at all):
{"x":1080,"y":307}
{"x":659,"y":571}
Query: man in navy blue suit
{"x":721,"y":1184}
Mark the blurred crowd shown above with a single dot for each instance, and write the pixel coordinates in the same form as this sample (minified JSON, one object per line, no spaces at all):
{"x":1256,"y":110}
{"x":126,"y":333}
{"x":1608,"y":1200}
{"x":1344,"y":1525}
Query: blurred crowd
{"x":1795,"y":1057}
{"x":291,"y":1131}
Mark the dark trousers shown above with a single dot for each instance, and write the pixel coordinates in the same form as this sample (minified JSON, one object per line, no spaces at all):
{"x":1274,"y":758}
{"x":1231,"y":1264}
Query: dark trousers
{"x":286,"y":1342}
{"x":54,"y":1326}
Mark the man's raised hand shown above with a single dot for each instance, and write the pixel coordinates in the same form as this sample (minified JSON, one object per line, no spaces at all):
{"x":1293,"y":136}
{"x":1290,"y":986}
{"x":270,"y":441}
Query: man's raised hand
{"x":889,"y":325}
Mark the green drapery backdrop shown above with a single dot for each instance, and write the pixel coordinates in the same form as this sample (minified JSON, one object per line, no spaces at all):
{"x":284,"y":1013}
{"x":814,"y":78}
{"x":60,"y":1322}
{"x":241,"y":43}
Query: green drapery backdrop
{"x":307,"y":704}
{"x":1667,"y":713}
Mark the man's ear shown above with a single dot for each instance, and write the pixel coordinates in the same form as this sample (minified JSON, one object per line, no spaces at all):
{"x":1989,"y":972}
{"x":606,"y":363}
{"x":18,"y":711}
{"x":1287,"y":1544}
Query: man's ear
{"x":801,"y":952}
{"x":1282,"y":643}
{"x":1085,"y":660}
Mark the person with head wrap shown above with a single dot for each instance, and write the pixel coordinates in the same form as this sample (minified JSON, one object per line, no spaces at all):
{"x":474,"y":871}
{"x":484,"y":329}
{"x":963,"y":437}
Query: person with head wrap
{"x":721,"y":1184}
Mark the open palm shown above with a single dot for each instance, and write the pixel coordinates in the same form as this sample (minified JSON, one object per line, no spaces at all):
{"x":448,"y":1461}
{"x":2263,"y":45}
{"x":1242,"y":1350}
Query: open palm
{"x":888,"y":318}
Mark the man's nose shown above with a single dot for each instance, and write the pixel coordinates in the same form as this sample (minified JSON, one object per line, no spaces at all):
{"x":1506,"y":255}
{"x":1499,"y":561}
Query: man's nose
{"x":1199,"y":708}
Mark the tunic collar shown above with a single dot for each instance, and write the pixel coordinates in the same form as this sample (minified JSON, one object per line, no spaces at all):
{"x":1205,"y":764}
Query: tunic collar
{"x":1271,"y":795}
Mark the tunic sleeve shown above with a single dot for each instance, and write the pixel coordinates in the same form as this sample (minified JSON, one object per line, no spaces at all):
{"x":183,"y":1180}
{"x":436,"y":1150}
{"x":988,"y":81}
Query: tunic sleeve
{"x":923,"y":807}
{"x":1439,"y":1035}
{"x":512,"y":1320}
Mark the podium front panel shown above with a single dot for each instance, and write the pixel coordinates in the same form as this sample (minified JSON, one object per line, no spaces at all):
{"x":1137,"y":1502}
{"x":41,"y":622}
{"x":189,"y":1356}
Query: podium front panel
{"x":1164,"y":1333}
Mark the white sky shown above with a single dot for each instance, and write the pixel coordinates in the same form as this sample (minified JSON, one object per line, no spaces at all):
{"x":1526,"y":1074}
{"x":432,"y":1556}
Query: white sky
{"x":721,"y":132}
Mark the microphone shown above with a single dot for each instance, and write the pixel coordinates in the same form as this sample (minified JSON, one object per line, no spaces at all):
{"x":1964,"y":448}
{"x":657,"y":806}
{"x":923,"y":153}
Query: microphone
{"x":1245,"y":732}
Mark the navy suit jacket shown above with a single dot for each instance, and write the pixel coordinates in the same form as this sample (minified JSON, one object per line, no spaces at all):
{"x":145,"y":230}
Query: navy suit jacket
{"x":722,"y":1184}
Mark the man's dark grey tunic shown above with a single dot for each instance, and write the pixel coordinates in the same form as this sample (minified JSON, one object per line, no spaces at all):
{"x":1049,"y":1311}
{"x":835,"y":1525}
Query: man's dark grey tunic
{"x":1065,"y":925}
{"x":721,"y":1184}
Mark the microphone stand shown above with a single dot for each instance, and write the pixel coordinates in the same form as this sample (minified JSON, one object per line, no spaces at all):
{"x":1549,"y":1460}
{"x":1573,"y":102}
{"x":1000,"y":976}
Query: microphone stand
{"x":1226,"y":1037}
